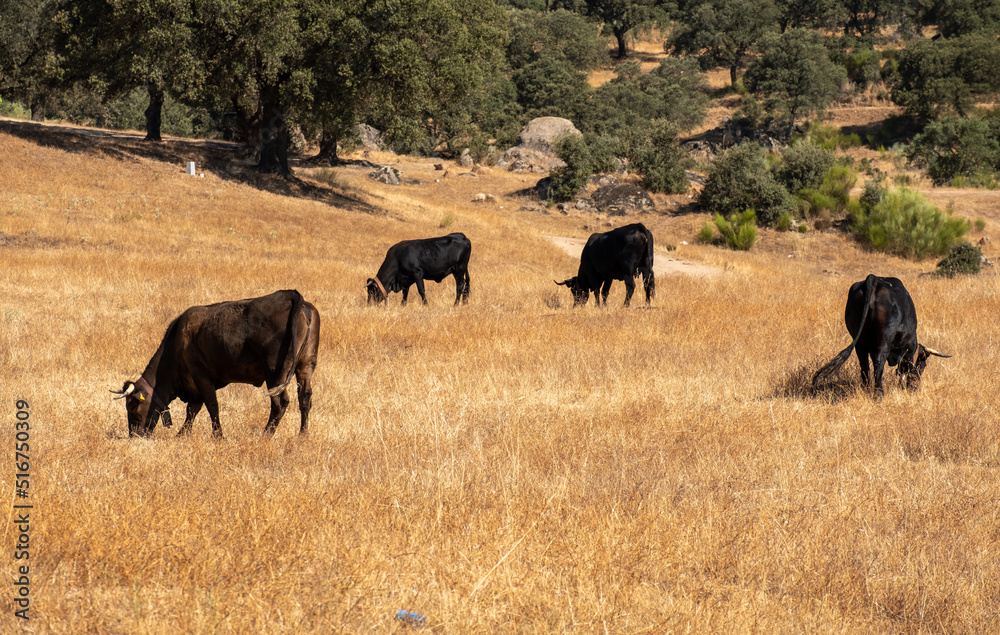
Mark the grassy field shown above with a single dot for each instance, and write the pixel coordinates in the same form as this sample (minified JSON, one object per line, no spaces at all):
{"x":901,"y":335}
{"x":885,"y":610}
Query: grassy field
{"x":514,"y":465}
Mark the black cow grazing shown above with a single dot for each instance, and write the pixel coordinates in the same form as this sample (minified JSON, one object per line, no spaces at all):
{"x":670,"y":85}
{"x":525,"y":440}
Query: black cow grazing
{"x":620,"y":254}
{"x":413,"y":261}
{"x":883,"y":322}
{"x":254,"y":341}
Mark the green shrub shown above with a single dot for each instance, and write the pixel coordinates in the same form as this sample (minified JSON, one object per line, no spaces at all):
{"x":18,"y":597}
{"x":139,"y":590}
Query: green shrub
{"x":838,"y":183}
{"x":803,"y":228}
{"x":872,"y":194}
{"x":832,"y":197}
{"x":980,"y":225}
{"x":660,"y":162}
{"x":962,"y":258}
{"x":14,"y":110}
{"x":784,"y":222}
{"x":803,"y":165}
{"x":750,"y":114}
{"x":568,"y":180}
{"x":817,"y":202}
{"x":831,"y":138}
{"x":863,"y":66}
{"x":707,"y":233}
{"x":605,"y":153}
{"x":739,"y":232}
{"x":907,"y":224}
{"x":741,"y":179}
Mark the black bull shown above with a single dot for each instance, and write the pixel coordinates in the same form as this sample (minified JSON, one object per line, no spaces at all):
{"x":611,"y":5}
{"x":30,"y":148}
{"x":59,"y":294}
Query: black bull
{"x":254,"y":341}
{"x":413,"y":261}
{"x":881,"y":318}
{"x":620,"y":254}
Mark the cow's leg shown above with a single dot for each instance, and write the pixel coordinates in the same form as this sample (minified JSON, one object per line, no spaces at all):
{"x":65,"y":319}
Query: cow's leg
{"x":879,"y":362}
{"x":193,"y":409}
{"x":207,"y":392}
{"x":406,"y":295}
{"x":866,"y":379}
{"x":629,"y":289}
{"x":649,"y":284}
{"x":605,"y":290}
{"x":461,"y":286}
{"x":279,"y":403}
{"x":305,"y":397}
{"x":467,"y":289}
{"x":420,"y":288}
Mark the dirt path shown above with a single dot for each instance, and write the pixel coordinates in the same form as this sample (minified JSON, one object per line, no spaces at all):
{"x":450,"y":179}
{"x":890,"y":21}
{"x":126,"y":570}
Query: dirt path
{"x":662,"y":264}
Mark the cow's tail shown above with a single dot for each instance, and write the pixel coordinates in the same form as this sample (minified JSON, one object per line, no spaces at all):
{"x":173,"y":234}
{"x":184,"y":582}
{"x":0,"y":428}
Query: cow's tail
{"x":650,"y":281}
{"x":834,"y":365}
{"x":294,"y":335}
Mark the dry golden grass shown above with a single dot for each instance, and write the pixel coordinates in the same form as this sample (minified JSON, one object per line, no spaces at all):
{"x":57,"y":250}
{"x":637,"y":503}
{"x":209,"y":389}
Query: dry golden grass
{"x":514,"y":465}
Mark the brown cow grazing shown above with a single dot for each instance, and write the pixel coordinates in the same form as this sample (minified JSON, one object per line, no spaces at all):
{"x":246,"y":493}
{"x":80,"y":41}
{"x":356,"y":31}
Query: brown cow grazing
{"x":255,"y":341}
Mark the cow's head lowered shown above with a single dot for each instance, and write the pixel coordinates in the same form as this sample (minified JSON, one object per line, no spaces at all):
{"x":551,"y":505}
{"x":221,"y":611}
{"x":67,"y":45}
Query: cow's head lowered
{"x":376,"y":292}
{"x":910,"y":370}
{"x":139,"y":399}
{"x":580,"y":293}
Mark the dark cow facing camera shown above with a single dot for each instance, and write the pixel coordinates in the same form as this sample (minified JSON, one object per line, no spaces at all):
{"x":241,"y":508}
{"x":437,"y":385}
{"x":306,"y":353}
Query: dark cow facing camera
{"x":620,"y":254}
{"x":413,"y":261}
{"x":257,"y":341}
{"x":881,"y":318}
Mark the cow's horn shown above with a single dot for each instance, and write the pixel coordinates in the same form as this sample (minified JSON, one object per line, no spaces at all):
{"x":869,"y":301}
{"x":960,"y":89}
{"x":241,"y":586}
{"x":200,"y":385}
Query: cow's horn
{"x":381,"y":288}
{"x":934,"y":352}
{"x":124,"y":392}
{"x":561,"y":284}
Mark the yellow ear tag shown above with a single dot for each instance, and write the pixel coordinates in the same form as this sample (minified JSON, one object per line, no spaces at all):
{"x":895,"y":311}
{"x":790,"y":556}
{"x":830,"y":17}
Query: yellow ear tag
{"x":142,"y":398}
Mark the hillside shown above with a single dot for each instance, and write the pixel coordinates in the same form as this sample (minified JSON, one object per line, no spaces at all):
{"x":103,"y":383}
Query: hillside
{"x":514,"y":465}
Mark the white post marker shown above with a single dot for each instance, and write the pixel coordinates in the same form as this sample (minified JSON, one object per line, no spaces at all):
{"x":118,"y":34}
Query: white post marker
{"x":190,"y":169}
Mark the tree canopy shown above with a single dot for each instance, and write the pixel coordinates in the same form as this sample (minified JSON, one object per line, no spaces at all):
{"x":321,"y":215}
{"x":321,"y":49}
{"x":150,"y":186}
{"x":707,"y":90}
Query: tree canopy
{"x":948,"y":75}
{"x":795,"y":75}
{"x":723,"y":32}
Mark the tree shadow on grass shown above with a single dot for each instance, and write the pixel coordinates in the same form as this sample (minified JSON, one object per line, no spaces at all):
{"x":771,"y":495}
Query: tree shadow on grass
{"x":885,"y":133}
{"x":222,"y":159}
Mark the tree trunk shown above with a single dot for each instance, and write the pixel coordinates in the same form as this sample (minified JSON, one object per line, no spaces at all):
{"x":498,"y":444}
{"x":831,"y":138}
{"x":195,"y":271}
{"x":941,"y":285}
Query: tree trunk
{"x":154,"y":111}
{"x":622,"y":46}
{"x":327,"y":149}
{"x":732,"y":75}
{"x":37,"y":111}
{"x":273,"y":134}
{"x":247,"y":128}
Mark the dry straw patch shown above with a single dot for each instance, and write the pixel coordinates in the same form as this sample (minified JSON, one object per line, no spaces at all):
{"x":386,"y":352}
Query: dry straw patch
{"x":508,"y":466}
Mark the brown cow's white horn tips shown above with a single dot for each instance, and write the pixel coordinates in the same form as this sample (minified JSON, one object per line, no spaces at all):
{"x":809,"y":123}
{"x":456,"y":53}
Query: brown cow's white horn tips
{"x":124,"y":392}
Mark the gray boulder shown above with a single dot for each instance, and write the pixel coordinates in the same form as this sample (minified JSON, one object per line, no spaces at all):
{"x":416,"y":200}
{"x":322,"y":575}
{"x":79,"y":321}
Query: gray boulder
{"x":621,"y":199}
{"x":386,"y":174}
{"x":367,"y":137}
{"x":543,"y":133}
{"x":534,"y":151}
